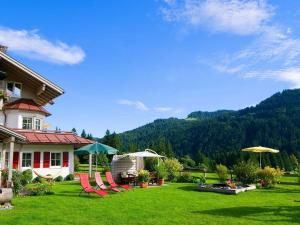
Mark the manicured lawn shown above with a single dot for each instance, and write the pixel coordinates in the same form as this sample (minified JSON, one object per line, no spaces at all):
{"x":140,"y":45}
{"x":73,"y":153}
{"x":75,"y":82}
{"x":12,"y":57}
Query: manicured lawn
{"x":172,"y":204}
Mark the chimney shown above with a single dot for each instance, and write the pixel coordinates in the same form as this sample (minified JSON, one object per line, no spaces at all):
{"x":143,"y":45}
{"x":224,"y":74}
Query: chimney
{"x":3,"y":48}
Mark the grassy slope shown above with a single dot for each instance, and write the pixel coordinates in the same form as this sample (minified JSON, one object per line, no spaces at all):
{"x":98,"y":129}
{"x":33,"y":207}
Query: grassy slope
{"x":173,"y":204}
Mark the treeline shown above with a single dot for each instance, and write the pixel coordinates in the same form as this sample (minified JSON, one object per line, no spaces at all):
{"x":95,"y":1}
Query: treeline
{"x":220,"y":135}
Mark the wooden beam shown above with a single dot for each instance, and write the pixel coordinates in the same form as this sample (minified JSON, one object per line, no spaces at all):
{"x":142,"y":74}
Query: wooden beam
{"x":41,"y":89}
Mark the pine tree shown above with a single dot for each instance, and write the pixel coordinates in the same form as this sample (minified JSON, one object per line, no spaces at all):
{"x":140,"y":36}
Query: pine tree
{"x":74,"y":131}
{"x":294,"y":161}
{"x":83,"y":134}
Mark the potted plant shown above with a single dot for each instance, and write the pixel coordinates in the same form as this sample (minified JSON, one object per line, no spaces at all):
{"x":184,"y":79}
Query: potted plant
{"x":162,"y":173}
{"x":143,"y":178}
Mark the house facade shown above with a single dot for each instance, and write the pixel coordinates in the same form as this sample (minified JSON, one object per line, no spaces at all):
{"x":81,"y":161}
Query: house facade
{"x":25,"y":141}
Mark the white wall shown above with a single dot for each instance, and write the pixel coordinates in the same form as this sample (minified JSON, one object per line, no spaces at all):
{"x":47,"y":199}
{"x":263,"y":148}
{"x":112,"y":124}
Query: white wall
{"x":59,"y":171}
{"x":14,"y":118}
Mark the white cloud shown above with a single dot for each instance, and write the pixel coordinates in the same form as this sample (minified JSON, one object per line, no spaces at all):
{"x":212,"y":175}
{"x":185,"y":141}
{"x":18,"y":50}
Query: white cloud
{"x":275,"y":51}
{"x":242,"y":17}
{"x":163,"y":109}
{"x":136,"y":104}
{"x":32,"y":45}
{"x":142,"y":107}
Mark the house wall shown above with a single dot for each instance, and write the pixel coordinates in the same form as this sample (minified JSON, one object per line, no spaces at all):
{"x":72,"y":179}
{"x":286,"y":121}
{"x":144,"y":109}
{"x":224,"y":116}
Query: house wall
{"x":14,"y":118}
{"x":58,"y":171}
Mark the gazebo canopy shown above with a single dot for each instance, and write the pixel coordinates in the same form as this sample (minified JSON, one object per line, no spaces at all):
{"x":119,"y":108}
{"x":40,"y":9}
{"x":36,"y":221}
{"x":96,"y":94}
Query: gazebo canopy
{"x":148,"y":153}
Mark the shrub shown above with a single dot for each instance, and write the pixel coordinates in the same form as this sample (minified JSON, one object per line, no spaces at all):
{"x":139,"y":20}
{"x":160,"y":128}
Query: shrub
{"x":70,"y":177}
{"x":185,"y":177}
{"x":187,"y":162}
{"x":59,"y":179}
{"x":268,"y":176}
{"x":245,"y":172}
{"x":150,"y":164}
{"x":18,"y":182}
{"x":76,"y":163}
{"x":161,"y":171}
{"x":40,"y":189}
{"x":143,"y":176}
{"x":172,"y":167}
{"x":39,"y":180}
{"x":222,"y":172}
{"x":27,"y":176}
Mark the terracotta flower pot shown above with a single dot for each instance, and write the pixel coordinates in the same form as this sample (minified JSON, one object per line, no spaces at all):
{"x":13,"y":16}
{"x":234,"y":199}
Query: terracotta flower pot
{"x":161,"y":181}
{"x":143,"y":184}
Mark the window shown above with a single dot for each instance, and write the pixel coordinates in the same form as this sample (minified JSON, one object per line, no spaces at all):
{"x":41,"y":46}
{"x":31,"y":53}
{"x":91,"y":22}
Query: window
{"x":26,"y":160}
{"x":6,"y":159}
{"x":14,"y":88}
{"x":56,"y":159}
{"x":37,"y":124}
{"x":27,"y":123}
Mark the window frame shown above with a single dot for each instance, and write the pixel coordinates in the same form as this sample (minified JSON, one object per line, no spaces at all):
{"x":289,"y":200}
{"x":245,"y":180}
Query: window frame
{"x":31,"y":160}
{"x":32,"y":122}
{"x":40,"y":124}
{"x":60,"y":160}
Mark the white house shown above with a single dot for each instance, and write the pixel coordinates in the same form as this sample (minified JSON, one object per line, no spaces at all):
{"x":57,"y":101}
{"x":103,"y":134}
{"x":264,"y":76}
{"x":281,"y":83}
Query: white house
{"x":24,"y":140}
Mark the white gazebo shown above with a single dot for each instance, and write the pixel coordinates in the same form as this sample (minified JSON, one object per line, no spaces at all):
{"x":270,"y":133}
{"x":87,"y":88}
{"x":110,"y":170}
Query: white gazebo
{"x":131,"y":162}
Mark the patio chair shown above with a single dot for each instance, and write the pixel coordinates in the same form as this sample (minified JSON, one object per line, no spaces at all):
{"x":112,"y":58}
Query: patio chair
{"x":87,"y":188}
{"x":113,"y":184}
{"x":102,"y":186}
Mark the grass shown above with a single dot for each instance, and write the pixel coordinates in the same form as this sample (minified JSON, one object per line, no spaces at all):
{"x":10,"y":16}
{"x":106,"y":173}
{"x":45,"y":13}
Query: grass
{"x":172,"y":204}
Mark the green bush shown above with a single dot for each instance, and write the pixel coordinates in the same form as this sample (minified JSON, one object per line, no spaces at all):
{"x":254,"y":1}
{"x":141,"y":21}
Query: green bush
{"x":161,"y":171}
{"x":39,"y":189}
{"x":143,"y":176}
{"x":150,"y":163}
{"x":245,"y":172}
{"x":70,"y":177}
{"x":185,"y":177}
{"x":222,"y":172}
{"x":268,"y":176}
{"x":27,"y":176}
{"x":39,"y":180}
{"x":187,"y":162}
{"x":172,"y":167}
{"x":201,"y":180}
{"x":18,"y":182}
{"x":59,"y":179}
{"x":76,"y":163}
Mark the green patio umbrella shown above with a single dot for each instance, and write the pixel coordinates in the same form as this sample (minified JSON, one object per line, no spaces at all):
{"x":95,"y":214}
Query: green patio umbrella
{"x":95,"y":148}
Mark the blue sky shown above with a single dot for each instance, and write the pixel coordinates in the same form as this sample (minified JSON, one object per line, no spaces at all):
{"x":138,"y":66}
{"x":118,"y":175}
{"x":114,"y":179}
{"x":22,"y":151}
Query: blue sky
{"x":125,"y":63}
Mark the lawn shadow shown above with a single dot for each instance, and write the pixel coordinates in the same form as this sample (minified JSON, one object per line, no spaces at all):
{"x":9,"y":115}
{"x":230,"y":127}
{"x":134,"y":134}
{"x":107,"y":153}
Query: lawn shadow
{"x":189,"y":188}
{"x":281,"y":213}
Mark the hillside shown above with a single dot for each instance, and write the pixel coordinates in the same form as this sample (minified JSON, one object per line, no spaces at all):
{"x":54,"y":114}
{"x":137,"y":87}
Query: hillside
{"x":275,"y":122}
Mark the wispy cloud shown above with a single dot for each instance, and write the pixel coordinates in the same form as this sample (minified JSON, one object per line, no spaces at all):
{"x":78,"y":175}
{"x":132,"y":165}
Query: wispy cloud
{"x":274,"y":52}
{"x":239,"y":17}
{"x":32,"y":45}
{"x":136,"y":104}
{"x":142,"y":107}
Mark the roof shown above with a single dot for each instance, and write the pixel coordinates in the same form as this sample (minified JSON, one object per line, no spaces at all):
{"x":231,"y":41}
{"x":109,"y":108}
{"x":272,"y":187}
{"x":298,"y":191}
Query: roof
{"x":42,"y":137}
{"x":47,"y":90}
{"x":6,"y":133}
{"x":145,"y":154}
{"x":26,"y":104}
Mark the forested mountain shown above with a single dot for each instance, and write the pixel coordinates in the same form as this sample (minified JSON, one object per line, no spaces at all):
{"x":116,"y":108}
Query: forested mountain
{"x":275,"y":122}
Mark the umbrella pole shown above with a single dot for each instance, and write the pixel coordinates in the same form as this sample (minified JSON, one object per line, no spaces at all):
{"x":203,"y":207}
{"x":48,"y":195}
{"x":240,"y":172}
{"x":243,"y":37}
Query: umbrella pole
{"x":96,"y":160}
{"x":90,"y":165}
{"x":260,"y":159}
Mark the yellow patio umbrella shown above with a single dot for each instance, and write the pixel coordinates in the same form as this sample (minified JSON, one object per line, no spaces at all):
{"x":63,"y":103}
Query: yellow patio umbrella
{"x":260,"y":149}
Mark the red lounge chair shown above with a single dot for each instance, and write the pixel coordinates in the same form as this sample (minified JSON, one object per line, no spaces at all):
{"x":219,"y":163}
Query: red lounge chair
{"x":101,"y":185}
{"x":86,"y":187}
{"x":112,"y":183}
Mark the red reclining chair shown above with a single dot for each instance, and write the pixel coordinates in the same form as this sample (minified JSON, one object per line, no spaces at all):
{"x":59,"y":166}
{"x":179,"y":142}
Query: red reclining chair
{"x":102,"y":186}
{"x":87,"y":188}
{"x":113,"y":184}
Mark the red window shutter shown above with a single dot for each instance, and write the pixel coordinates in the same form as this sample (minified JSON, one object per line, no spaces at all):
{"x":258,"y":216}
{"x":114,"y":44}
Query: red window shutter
{"x":36,"y":159}
{"x":65,"y":159}
{"x":16,"y":160}
{"x":46,"y":159}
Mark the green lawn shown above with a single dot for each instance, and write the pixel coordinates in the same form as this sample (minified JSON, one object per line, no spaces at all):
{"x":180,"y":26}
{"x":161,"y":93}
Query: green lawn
{"x":172,"y":204}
